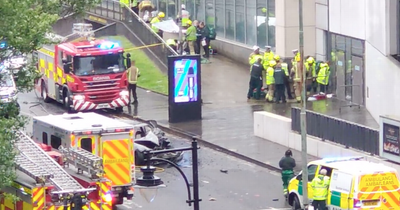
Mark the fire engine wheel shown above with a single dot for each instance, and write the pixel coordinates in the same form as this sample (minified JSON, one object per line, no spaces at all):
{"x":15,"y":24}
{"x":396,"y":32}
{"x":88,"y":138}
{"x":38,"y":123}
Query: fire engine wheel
{"x":44,"y":95}
{"x":66,"y":100}
{"x":119,"y":109}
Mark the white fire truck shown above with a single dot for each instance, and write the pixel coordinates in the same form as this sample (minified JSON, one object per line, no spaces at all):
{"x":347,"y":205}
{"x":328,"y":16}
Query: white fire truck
{"x":41,"y":183}
{"x":104,"y":137}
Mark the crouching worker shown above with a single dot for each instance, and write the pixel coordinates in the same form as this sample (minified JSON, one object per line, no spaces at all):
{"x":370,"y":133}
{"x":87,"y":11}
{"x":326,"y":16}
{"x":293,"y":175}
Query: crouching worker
{"x":287,"y":165}
{"x":256,"y":79}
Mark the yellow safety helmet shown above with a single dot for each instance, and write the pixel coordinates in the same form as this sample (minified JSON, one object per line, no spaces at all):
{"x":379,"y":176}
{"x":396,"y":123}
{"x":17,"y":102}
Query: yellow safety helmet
{"x":189,"y":22}
{"x":310,"y":60}
{"x":161,"y":14}
{"x":277,"y":57}
{"x":272,"y":63}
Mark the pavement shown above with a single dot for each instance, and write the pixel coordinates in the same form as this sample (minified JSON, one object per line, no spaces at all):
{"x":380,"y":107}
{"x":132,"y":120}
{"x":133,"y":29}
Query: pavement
{"x":218,"y":190}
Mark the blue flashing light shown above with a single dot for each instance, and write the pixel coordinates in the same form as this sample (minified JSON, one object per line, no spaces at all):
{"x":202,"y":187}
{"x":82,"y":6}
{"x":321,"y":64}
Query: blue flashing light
{"x":108,"y":45}
{"x":3,"y":45}
{"x":339,"y":159}
{"x":2,"y":67}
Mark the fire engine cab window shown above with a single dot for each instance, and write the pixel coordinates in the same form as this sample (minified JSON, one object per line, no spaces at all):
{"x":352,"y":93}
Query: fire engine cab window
{"x":55,"y":142}
{"x":99,"y":64}
{"x":44,"y":138}
{"x":86,"y":144}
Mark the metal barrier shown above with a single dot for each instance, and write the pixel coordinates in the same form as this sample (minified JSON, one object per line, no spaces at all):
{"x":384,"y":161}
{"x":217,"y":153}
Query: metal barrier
{"x":339,"y":131}
{"x":115,"y":10}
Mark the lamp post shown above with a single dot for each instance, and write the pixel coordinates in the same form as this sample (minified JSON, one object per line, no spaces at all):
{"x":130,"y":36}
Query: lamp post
{"x":303,"y":110}
{"x":151,"y":183}
{"x":180,"y":27}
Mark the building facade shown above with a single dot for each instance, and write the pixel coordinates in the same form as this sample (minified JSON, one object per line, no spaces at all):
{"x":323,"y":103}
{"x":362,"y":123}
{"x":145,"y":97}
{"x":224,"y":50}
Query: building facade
{"x":361,"y":39}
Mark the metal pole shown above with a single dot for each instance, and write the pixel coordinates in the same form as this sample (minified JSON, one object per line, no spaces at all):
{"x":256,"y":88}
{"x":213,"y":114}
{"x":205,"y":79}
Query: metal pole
{"x":196,"y":199}
{"x":303,"y":110}
{"x":180,"y":27}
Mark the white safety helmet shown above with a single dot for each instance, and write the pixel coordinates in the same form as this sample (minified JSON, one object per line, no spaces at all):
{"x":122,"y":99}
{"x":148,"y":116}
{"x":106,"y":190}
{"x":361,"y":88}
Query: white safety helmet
{"x":183,"y":6}
{"x":323,"y":172}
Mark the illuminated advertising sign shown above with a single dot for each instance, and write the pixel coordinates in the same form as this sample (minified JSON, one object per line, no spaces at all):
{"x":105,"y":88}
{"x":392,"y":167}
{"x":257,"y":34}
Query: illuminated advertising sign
{"x":184,"y":81}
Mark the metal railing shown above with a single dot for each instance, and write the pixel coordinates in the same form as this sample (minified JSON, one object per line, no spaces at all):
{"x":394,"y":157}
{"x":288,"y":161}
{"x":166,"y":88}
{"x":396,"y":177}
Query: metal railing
{"x":332,"y":129}
{"x":155,"y":44}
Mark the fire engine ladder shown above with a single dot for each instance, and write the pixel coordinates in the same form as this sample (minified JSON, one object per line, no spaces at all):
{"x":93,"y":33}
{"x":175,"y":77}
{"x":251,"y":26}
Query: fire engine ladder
{"x":59,"y":177}
{"x":84,"y":161}
{"x":83,"y":30}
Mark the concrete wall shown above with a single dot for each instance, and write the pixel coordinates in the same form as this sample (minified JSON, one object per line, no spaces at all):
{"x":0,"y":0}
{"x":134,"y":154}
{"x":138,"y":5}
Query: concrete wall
{"x":265,"y":122}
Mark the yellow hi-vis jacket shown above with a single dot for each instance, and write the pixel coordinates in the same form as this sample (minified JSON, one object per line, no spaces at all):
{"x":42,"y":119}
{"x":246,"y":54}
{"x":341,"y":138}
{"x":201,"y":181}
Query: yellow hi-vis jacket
{"x":153,"y":21}
{"x":268,"y":56}
{"x":323,"y":74}
{"x":126,"y":2}
{"x":307,"y":66}
{"x":254,"y":57}
{"x":285,"y":68}
{"x":270,"y":80}
{"x":320,"y":186}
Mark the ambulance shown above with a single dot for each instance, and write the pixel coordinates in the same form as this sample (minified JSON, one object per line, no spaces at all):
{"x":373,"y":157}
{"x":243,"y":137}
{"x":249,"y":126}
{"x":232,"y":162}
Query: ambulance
{"x":108,"y":138}
{"x":354,"y":184}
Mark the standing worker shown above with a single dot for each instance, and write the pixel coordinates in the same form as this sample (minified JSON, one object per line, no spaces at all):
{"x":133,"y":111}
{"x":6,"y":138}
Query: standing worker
{"x":268,"y":56}
{"x":296,"y":75}
{"x":256,"y":79}
{"x":133,"y":74}
{"x":311,"y":75}
{"x":288,"y":80}
{"x":134,"y":6}
{"x":323,"y":77}
{"x":191,"y":37}
{"x":185,"y":16}
{"x":270,"y":81}
{"x":287,"y":164}
{"x":205,"y":39}
{"x":146,"y":6}
{"x":155,"y":20}
{"x":320,"y":186}
{"x":279,"y":77}
{"x":254,"y":56}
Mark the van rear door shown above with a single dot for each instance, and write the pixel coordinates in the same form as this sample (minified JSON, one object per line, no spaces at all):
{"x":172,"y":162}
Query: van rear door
{"x":340,"y":190}
{"x":379,"y":190}
{"x":116,"y":152}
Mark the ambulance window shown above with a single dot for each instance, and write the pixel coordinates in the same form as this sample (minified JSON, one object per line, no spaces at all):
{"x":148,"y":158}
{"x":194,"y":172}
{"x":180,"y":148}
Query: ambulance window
{"x":44,"y":138}
{"x":311,"y":172}
{"x":55,"y":142}
{"x":86,"y":144}
{"x":328,"y":171}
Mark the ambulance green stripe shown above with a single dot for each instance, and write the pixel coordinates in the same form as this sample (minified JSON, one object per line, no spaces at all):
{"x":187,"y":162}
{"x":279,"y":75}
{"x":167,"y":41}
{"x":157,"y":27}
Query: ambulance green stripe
{"x":335,"y":198}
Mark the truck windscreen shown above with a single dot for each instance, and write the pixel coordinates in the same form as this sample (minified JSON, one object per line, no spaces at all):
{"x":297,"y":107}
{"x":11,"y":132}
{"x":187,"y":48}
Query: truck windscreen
{"x":99,"y":64}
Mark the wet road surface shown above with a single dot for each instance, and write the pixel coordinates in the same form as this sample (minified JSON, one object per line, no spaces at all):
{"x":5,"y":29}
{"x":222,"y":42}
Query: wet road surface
{"x":244,"y":185}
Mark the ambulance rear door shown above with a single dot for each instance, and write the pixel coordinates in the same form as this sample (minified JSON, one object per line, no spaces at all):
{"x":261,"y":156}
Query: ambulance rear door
{"x":340,"y":191}
{"x":116,"y":151}
{"x":379,"y":190}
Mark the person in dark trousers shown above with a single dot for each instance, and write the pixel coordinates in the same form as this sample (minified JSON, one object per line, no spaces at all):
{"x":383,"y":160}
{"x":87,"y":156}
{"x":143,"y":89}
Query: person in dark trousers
{"x":205,"y":37}
{"x":280,"y":77}
{"x":198,"y":40}
{"x":133,"y":74}
{"x":255,"y":79}
{"x":287,"y":165}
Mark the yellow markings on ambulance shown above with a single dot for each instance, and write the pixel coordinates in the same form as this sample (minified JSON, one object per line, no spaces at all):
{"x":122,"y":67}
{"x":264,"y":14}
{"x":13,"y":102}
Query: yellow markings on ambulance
{"x":120,"y":160}
{"x":38,"y":198}
{"x":386,"y":179}
{"x":47,"y":52}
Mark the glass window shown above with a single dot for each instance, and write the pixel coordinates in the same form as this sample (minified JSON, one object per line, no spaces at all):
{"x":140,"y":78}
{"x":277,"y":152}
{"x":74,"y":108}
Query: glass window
{"x":230,"y":19}
{"x":239,"y":18}
{"x":340,"y":43}
{"x":260,"y":21}
{"x":86,"y":144}
{"x":55,"y":142}
{"x":199,"y":10}
{"x":251,"y":30}
{"x":312,"y":169}
{"x":190,"y":4}
{"x":271,"y":22}
{"x":44,"y":138}
{"x":219,"y":17}
{"x":100,"y":64}
{"x":357,"y":47}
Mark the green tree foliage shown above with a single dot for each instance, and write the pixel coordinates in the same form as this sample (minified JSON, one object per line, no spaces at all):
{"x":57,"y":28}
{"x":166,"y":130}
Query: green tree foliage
{"x":23,"y":26}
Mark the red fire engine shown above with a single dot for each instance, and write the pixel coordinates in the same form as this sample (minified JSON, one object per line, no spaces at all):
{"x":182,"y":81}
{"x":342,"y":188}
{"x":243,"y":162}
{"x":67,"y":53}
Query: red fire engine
{"x":83,"y":75}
